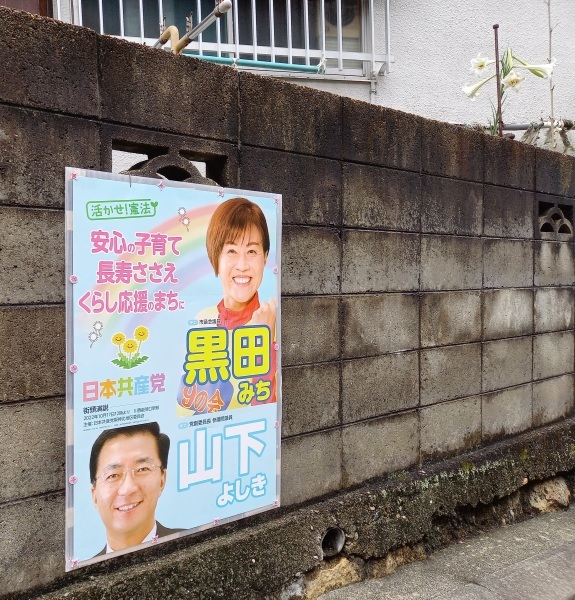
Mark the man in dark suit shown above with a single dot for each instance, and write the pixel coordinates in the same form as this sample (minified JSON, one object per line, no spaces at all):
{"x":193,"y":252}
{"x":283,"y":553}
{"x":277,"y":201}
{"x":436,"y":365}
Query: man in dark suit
{"x":128,"y":474}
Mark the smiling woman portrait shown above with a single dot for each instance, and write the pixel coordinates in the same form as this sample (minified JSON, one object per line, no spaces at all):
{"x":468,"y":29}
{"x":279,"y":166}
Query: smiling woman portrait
{"x":238,"y":244}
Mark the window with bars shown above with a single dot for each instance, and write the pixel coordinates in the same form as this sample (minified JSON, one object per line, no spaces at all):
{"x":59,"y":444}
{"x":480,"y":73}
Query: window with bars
{"x":273,"y":34}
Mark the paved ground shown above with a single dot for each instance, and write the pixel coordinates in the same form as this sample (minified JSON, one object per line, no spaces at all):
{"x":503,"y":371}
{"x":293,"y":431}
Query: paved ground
{"x":533,"y":560}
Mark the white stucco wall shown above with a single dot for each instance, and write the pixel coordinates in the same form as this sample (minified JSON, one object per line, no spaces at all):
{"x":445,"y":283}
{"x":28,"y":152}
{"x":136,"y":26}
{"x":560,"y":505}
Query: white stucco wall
{"x":432,"y":42}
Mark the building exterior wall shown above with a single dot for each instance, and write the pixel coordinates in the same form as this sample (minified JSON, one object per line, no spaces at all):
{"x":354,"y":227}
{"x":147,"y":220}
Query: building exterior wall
{"x":424,"y":314}
{"x":432,"y":44}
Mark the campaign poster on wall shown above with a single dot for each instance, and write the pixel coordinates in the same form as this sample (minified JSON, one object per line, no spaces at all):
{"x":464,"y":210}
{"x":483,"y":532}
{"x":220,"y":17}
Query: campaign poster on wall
{"x":173,"y":360}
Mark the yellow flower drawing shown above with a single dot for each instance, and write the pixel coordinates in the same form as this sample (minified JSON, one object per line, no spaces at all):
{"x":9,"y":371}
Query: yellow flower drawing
{"x":118,"y":338}
{"x":130,"y":346}
{"x":141,"y":333}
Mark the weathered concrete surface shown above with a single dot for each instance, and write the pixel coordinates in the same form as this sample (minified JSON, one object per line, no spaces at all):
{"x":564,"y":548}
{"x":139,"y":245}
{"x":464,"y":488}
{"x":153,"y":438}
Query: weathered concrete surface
{"x":260,"y":557}
{"x":451,"y":206}
{"x":506,"y":363}
{"x":509,"y":313}
{"x":553,"y":354}
{"x":35,"y":468}
{"x":392,"y":443}
{"x":507,"y":212}
{"x":132,"y":93}
{"x":554,"y":264}
{"x":279,"y":115}
{"x":553,"y":309}
{"x":31,"y":265}
{"x":41,"y":328}
{"x":371,"y":133}
{"x":377,"y":261}
{"x":451,"y":151}
{"x":507,"y":263}
{"x":322,"y":450}
{"x":423,"y":312}
{"x":378,"y":198}
{"x":309,"y":259}
{"x":306,"y":200}
{"x":310,"y":398}
{"x":451,"y":263}
{"x":554,"y":175}
{"x":305,"y":338}
{"x":552,"y":399}
{"x":376,"y":324}
{"x":30,"y":137}
{"x":506,"y":412}
{"x":450,"y":372}
{"x":527,"y":561}
{"x":63,"y":67}
{"x":501,"y":154}
{"x":450,"y":318}
{"x":464,"y":417}
{"x":388,"y":384}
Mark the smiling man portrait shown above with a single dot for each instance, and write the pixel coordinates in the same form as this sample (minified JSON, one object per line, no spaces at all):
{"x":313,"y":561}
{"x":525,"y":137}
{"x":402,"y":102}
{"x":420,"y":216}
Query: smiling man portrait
{"x":128,"y":474}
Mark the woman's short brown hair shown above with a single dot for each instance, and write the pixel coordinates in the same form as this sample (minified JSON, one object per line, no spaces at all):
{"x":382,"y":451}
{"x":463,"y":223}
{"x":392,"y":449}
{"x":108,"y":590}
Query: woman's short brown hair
{"x":230,"y":220}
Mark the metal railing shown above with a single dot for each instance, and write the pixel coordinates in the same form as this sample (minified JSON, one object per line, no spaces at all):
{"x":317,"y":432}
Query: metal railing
{"x":338,"y":35}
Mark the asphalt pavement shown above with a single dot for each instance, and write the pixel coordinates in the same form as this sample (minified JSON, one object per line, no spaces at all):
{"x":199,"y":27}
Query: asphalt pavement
{"x":533,"y":560}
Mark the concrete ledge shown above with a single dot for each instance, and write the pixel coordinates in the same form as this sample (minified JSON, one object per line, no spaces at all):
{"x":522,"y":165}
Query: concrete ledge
{"x":48,"y":64}
{"x":451,"y":150}
{"x":554,"y":173}
{"x":258,"y":558}
{"x":381,"y":136}
{"x":510,"y":163}
{"x":153,"y":88}
{"x":281,"y":115}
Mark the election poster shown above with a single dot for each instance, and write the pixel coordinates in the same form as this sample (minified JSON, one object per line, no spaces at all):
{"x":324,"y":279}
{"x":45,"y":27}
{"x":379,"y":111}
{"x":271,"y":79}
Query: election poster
{"x":173,"y":388}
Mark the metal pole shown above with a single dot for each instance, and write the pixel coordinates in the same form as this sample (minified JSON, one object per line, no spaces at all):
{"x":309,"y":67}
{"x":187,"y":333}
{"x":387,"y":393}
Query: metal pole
{"x":497,"y":77}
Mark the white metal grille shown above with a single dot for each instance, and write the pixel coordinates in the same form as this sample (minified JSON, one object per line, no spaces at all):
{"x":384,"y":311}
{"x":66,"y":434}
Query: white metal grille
{"x":273,"y":33}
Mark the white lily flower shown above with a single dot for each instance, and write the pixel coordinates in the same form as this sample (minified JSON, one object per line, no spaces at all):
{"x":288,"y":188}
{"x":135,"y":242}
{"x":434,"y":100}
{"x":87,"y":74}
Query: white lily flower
{"x":512,"y":81}
{"x":471,"y":90}
{"x":479,"y":64}
{"x":545,"y":71}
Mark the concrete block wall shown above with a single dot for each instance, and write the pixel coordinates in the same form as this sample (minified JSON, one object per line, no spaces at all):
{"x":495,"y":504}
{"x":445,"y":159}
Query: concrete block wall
{"x":423,"y":312}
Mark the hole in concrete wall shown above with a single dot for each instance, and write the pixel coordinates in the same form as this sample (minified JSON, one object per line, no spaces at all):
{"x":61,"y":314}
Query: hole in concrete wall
{"x":173,"y":173}
{"x":556,"y":218}
{"x":123,"y":161}
{"x":567,"y":211}
{"x":200,"y":166}
{"x":211,"y":166}
{"x":332,"y":542}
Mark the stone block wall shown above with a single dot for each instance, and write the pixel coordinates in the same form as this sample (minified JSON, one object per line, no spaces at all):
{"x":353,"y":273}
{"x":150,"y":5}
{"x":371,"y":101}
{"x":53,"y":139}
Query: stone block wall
{"x":427,"y":302}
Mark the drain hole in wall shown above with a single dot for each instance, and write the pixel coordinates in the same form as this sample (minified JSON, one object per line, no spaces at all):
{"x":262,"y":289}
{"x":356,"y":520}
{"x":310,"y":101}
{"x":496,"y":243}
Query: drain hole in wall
{"x":332,"y":542}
